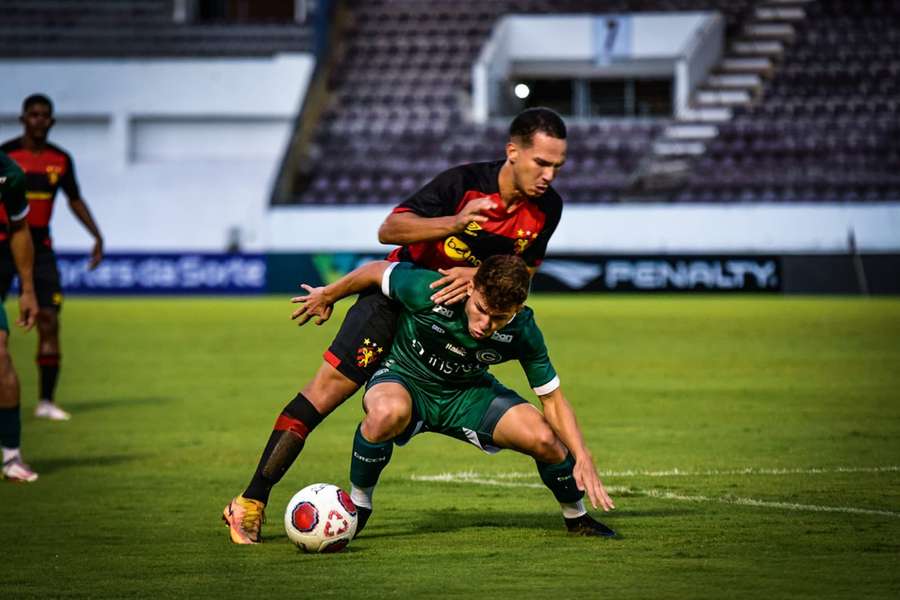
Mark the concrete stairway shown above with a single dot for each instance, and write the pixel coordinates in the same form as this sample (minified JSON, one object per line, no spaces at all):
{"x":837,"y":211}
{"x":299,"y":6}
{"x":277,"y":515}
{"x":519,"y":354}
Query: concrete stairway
{"x":749,"y":60}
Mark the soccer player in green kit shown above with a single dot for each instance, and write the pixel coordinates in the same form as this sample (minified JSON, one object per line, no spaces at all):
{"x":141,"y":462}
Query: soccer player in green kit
{"x":12,"y":198}
{"x":436,"y":378}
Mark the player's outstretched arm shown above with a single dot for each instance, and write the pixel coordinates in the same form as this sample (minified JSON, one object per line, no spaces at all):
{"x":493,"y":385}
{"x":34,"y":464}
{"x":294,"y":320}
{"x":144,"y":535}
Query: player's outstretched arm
{"x":320,"y":301}
{"x":23,"y":255}
{"x":403,"y":228}
{"x":561,"y":417}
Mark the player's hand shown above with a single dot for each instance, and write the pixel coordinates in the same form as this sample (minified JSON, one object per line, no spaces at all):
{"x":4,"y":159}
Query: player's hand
{"x":313,"y":305}
{"x":96,"y":254}
{"x":588,"y":481}
{"x":454,"y":285}
{"x":473,"y":212}
{"x":28,"y":310}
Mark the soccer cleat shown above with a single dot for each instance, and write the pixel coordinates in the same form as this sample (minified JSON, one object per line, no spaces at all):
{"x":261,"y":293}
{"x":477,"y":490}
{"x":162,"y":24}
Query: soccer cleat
{"x":244,"y":518}
{"x":15,"y":470}
{"x":362,"y":517}
{"x":586,"y":525}
{"x":48,"y":410}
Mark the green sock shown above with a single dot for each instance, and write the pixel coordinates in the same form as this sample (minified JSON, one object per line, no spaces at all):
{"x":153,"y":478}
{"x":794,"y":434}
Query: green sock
{"x":369,"y":460}
{"x":560,"y":480}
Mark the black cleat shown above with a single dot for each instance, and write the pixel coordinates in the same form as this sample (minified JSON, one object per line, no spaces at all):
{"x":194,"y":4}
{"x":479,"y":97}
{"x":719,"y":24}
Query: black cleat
{"x":586,"y":525}
{"x":362,"y":516}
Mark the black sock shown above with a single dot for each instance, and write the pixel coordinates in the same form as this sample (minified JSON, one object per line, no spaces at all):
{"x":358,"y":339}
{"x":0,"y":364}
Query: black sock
{"x":10,"y":428}
{"x":292,"y":427}
{"x":48,"y":365}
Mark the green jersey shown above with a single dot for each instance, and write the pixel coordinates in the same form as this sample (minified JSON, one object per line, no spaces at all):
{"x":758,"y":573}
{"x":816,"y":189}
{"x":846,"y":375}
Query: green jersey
{"x":12,"y":189}
{"x":433,"y":347}
{"x":12,"y":195}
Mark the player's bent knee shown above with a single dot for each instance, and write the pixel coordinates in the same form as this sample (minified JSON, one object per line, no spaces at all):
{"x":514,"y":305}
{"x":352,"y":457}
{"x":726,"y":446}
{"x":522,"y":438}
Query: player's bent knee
{"x":386,"y":417}
{"x":546,"y":447}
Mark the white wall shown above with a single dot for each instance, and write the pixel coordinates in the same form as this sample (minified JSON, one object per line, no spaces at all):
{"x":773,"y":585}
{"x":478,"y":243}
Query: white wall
{"x":646,"y":44}
{"x":170,"y":154}
{"x":572,"y":37}
{"x":633,"y":229}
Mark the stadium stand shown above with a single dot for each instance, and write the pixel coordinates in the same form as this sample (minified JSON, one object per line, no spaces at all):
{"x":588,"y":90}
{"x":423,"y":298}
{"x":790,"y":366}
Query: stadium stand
{"x":136,"y":28}
{"x":816,"y":122}
{"x":826,"y":126}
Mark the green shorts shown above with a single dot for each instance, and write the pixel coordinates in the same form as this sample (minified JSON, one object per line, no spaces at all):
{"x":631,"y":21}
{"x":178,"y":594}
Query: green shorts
{"x":4,"y":324}
{"x":469,"y":414}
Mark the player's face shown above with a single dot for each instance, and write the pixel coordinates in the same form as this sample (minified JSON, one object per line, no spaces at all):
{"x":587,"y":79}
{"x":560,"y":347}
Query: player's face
{"x":37,"y":121}
{"x":483,"y":320}
{"x":535,"y":167}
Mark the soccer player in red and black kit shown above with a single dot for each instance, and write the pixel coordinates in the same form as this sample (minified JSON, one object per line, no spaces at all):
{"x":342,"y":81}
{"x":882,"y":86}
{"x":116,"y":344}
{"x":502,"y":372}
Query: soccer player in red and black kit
{"x":460,"y":218}
{"x":47,"y":169}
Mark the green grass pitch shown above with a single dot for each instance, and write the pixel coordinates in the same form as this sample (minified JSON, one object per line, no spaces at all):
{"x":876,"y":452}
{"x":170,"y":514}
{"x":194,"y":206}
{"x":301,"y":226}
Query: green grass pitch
{"x":752,"y":446}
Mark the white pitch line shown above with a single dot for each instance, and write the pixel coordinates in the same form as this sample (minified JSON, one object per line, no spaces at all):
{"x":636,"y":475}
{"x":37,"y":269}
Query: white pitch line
{"x":477,"y":479}
{"x":768,"y":504}
{"x":684,"y":473}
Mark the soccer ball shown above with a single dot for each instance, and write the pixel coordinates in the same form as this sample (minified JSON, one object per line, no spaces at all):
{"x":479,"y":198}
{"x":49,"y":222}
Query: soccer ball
{"x":320,"y":518}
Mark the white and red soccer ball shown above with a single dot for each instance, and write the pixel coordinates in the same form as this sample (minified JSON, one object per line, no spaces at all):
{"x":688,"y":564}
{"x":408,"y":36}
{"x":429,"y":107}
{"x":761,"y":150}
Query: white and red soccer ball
{"x":320,"y":518}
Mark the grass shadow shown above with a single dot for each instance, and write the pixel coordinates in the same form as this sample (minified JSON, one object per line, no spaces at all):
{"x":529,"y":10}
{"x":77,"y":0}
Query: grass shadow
{"x":97,"y":405}
{"x":54,"y":465}
{"x":451,"y":521}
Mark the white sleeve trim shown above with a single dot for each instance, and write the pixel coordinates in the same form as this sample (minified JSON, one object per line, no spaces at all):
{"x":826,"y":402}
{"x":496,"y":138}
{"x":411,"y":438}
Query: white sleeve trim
{"x":386,"y":280}
{"x":21,"y":215}
{"x":548,"y":387}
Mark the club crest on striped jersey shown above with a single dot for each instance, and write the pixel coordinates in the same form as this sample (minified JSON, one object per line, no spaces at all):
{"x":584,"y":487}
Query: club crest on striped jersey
{"x":53,"y":174}
{"x":523,"y":239}
{"x":368,"y":353}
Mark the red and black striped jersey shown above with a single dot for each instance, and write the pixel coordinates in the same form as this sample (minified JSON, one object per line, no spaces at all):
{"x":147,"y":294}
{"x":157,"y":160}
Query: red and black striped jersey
{"x":524,"y":231}
{"x":45,"y":172}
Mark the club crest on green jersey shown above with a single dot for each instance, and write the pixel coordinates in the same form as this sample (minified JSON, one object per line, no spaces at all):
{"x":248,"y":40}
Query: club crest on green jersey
{"x":488,"y":356}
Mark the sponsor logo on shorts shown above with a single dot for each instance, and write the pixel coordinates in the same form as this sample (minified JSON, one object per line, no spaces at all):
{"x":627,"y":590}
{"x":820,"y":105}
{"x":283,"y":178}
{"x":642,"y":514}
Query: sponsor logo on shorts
{"x":368,"y":353}
{"x":439,"y":329}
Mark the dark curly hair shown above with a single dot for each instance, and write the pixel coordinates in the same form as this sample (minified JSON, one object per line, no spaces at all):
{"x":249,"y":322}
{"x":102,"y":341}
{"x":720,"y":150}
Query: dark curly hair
{"x":503,"y":280}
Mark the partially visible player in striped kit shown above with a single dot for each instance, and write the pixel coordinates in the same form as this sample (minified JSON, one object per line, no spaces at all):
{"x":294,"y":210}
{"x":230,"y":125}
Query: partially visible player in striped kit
{"x":47,"y":169}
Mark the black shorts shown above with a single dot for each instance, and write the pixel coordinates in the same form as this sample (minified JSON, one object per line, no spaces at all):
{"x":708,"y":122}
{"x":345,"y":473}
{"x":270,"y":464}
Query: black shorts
{"x":46,"y":276}
{"x":365,"y":336}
